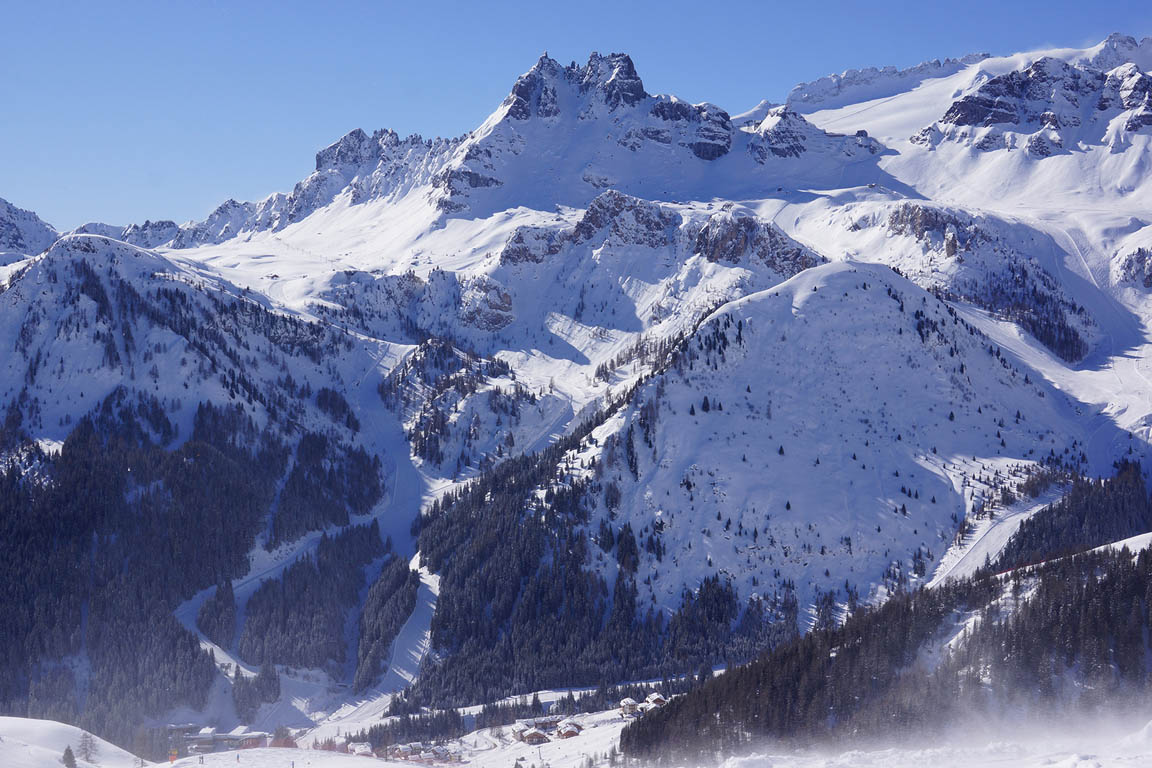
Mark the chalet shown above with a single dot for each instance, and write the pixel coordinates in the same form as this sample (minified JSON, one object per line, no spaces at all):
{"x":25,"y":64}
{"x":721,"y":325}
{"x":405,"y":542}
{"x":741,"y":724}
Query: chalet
{"x":361,"y":749}
{"x":656,"y":700}
{"x":518,"y":730}
{"x":628,"y":706}
{"x":201,"y":741}
{"x":567,"y":731}
{"x":400,"y":751}
{"x":546,"y":722}
{"x":448,"y":755}
{"x":535,"y":736}
{"x":572,"y":723}
{"x":241,"y":737}
{"x":209,"y":739}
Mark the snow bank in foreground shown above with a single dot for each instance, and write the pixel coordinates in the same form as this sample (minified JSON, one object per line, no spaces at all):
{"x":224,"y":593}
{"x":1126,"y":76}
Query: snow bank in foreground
{"x":26,"y":743}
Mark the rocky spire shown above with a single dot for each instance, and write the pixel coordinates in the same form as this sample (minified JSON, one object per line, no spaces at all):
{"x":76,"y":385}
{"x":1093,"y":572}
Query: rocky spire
{"x":615,"y":77}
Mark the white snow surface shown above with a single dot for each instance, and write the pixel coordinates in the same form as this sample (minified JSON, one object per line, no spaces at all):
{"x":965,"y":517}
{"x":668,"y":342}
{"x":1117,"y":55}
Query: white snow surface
{"x":28,"y":743}
{"x":39,"y":744}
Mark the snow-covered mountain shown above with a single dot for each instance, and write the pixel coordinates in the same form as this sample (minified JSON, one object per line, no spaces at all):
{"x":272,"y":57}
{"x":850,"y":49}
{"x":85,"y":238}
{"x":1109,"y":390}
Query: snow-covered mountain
{"x":22,"y":232}
{"x":624,"y":355}
{"x":783,"y":445}
{"x":856,"y":85}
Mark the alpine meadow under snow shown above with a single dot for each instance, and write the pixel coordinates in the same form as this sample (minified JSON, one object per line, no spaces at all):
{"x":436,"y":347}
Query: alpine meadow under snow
{"x":845,"y":395}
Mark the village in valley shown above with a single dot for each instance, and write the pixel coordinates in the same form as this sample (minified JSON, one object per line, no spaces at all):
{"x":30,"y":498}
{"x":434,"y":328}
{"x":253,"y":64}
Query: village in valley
{"x":552,"y":739}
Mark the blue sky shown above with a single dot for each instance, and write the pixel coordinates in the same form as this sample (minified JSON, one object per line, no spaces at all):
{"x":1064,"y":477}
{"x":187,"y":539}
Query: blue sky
{"x":121,"y":111}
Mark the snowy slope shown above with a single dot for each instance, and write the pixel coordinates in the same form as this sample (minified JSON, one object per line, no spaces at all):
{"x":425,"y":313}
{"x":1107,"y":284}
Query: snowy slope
{"x":26,"y":743}
{"x":856,"y":85}
{"x":1027,"y":131}
{"x":853,"y":421}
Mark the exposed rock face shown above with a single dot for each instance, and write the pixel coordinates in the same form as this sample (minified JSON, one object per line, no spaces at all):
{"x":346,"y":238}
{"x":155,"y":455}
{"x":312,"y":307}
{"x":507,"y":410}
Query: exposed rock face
{"x":982,"y":266}
{"x":533,"y":94}
{"x":1136,"y":267}
{"x":616,"y":220}
{"x":925,"y":222}
{"x":625,"y":219}
{"x":614,"y":78}
{"x":1130,"y":89}
{"x":369,"y":167}
{"x":227,"y":221}
{"x":485,"y":304}
{"x":1052,"y":105}
{"x":610,"y":80}
{"x":22,"y":231}
{"x":1038,"y":94}
{"x":151,"y":234}
{"x":784,"y":133}
{"x":531,"y":244}
{"x":741,"y":238}
{"x":353,"y":149}
{"x":713,"y":137}
{"x":611,"y":218}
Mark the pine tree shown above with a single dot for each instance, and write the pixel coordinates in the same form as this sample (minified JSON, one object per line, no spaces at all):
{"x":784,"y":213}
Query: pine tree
{"x":69,"y":759}
{"x":87,"y":748}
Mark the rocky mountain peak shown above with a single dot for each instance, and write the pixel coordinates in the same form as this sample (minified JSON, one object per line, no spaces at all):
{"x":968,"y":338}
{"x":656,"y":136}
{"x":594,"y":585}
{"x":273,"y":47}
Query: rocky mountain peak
{"x":1118,"y":49}
{"x":357,"y":148}
{"x":611,"y":78}
{"x":614,"y":77}
{"x":23,"y":231}
{"x":151,"y":234}
{"x":353,"y":148}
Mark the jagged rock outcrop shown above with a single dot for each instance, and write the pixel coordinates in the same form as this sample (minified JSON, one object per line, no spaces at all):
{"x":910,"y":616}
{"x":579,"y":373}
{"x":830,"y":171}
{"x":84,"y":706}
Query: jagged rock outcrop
{"x":151,"y":234}
{"x":1050,"y":106}
{"x":736,"y":238}
{"x":617,"y":221}
{"x":1136,"y":267}
{"x":1048,"y":92}
{"x":784,"y":133}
